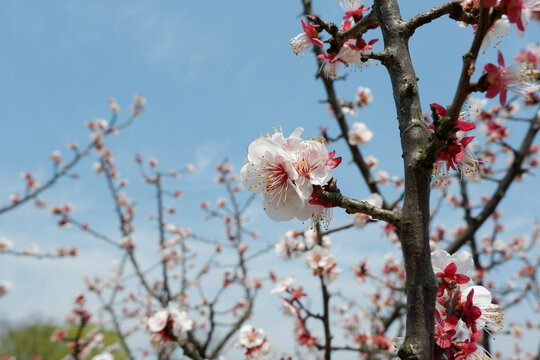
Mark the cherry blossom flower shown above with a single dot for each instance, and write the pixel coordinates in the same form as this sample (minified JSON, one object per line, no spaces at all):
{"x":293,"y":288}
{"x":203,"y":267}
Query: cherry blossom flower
{"x":113,"y":106}
{"x":351,"y":53}
{"x":444,"y":330}
{"x":139,"y":103}
{"x":303,"y":41}
{"x":253,"y":341}
{"x":30,"y":249}
{"x":507,"y":78}
{"x":103,"y":356}
{"x":455,"y":154}
{"x":363,"y":96}
{"x":5,"y":287}
{"x":440,"y":259}
{"x":170,"y":322}
{"x":353,"y":8}
{"x":289,"y":245}
{"x":530,"y":56}
{"x":190,"y":168}
{"x":450,"y":278}
{"x":322,"y":264}
{"x":495,"y":33}
{"x":360,"y":271}
{"x":5,"y":244}
{"x":311,"y":239}
{"x":519,"y":11}
{"x":284,"y":170}
{"x":491,"y":316}
{"x":270,"y":171}
{"x":359,"y":134}
{"x":330,"y":64}
{"x":282,"y":285}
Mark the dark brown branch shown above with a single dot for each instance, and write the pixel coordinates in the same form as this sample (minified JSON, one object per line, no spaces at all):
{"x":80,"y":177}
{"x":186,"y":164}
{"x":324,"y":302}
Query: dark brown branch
{"x":159,"y":196}
{"x":353,"y":206}
{"x":454,"y":9}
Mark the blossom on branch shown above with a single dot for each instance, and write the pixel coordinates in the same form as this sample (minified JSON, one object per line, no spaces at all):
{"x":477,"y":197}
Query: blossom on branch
{"x":284,"y":170}
{"x":303,"y":41}
{"x":508,"y":78}
{"x":359,"y":134}
{"x":253,"y":341}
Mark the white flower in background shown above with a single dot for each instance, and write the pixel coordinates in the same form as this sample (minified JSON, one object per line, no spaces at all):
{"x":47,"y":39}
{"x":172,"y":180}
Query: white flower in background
{"x":282,"y":285}
{"x":103,"y":356}
{"x":5,"y":244}
{"x":289,"y":245}
{"x":30,"y":249}
{"x":310,"y":239}
{"x":474,"y":107}
{"x":359,"y":134}
{"x":322,"y":263}
{"x":350,"y":5}
{"x":253,"y":342}
{"x":5,"y":287}
{"x":190,"y":168}
{"x":363,"y":96}
{"x":177,"y":319}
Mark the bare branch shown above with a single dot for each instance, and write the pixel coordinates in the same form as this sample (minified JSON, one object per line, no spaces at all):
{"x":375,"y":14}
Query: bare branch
{"x":353,"y":206}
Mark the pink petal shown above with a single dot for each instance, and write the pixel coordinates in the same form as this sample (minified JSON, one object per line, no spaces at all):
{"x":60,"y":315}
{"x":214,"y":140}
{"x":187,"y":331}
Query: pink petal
{"x":440,"y":110}
{"x":500,"y":58}
{"x":465,"y":125}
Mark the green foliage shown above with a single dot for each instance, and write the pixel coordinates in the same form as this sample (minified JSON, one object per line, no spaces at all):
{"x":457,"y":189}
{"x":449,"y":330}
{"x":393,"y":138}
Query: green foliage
{"x":33,"y":337}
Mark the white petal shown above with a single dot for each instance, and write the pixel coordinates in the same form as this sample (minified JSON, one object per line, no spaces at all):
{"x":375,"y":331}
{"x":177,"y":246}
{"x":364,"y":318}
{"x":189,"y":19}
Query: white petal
{"x":439,"y":260}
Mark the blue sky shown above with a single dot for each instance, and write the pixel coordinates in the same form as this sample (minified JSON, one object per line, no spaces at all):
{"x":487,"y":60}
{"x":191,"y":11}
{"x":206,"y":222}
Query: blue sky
{"x":216,"y":75}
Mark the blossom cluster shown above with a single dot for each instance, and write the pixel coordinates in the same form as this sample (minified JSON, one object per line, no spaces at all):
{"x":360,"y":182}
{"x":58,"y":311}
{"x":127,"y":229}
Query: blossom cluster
{"x":285,"y":170}
{"x":352,"y":50}
{"x":316,"y":256}
{"x":253,"y":341}
{"x":168,"y":325}
{"x":518,"y":78}
{"x":456,"y":154}
{"x":463,"y":309}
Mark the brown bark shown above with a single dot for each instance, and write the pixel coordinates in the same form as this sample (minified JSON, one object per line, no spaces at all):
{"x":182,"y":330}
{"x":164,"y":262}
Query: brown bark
{"x":414,"y":229}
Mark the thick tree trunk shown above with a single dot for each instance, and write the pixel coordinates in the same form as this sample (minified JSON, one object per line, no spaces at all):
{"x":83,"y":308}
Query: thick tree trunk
{"x":414,"y":228}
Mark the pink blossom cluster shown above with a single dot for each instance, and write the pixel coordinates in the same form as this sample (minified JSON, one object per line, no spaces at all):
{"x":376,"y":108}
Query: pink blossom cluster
{"x":456,"y":154}
{"x":518,"y":78}
{"x":168,"y":325}
{"x":463,"y":310}
{"x":253,"y":342}
{"x":352,"y":50}
{"x":519,"y":12}
{"x":284,"y":171}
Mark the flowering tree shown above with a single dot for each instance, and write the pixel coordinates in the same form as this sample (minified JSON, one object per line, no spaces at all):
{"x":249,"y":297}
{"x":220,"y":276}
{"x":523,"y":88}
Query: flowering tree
{"x":440,"y":301}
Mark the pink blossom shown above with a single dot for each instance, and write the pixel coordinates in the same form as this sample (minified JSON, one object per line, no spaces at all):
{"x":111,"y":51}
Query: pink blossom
{"x":503,"y":78}
{"x":353,"y":8}
{"x":330,"y":63}
{"x":303,"y":41}
{"x":359,"y":134}
{"x":253,"y":341}
{"x":5,"y":287}
{"x":363,"y":96}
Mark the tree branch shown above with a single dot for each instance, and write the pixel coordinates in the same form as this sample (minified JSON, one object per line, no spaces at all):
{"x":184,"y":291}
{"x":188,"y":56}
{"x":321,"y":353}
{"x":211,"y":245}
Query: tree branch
{"x":353,"y":206}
